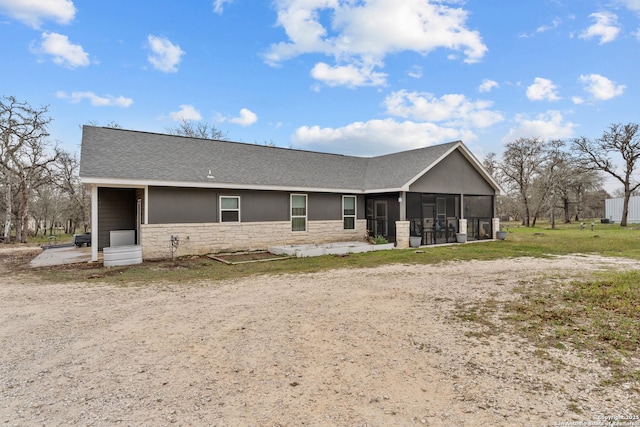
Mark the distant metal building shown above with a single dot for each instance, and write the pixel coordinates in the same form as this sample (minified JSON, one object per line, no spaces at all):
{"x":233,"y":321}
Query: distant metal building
{"x":613,"y":209}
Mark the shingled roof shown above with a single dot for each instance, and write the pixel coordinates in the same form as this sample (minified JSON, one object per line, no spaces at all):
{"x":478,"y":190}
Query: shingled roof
{"x":117,"y":156}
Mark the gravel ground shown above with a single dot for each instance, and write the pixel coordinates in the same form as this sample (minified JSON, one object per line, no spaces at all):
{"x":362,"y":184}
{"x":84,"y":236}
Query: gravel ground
{"x":368,"y":347}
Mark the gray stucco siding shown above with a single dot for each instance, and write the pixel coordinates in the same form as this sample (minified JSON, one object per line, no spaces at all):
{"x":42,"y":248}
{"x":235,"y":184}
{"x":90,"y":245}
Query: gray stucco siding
{"x":453,"y":175}
{"x":324,"y":207}
{"x":258,"y":206}
{"x":328,"y":207}
{"x":361,"y":208}
{"x":172,"y":205}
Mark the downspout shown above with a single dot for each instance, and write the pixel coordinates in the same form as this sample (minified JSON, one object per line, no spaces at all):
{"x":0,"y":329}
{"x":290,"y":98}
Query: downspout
{"x":94,"y":223}
{"x":146,"y":205}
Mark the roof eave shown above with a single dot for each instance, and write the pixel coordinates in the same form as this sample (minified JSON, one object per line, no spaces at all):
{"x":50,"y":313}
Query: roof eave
{"x":137,"y":183}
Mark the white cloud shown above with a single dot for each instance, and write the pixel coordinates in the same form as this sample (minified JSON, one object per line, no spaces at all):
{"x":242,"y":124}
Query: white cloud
{"x":600,"y":87}
{"x":33,"y":12}
{"x":218,"y":5}
{"x":361,"y":34}
{"x":375,"y":137}
{"x":246,"y":118}
{"x":347,"y":75}
{"x":415,"y":72}
{"x":165,"y":56}
{"x":487,"y":85}
{"x":549,"y":125}
{"x":542,"y":89}
{"x":186,"y":112}
{"x":577,"y":100}
{"x":633,"y":5}
{"x":452,"y":109}
{"x":606,"y":27}
{"x":544,"y":28}
{"x":95,"y":100}
{"x":62,"y":50}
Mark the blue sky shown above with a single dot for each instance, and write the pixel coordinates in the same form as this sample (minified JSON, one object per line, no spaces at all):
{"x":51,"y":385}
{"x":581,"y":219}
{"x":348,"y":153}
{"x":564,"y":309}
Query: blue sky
{"x":361,"y":77}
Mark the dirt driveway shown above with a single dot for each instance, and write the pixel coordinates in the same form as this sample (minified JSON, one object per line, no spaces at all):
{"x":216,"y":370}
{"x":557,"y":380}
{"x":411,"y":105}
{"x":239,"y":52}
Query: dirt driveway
{"x":374,"y":347}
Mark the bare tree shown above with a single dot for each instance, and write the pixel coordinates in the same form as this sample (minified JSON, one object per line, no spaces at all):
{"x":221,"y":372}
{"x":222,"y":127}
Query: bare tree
{"x":520,"y":166}
{"x":197,"y":130}
{"x":622,"y":141}
{"x":67,"y":180}
{"x":110,"y":124}
{"x":25,"y":158}
{"x":490,"y":164}
{"x":47,"y":204}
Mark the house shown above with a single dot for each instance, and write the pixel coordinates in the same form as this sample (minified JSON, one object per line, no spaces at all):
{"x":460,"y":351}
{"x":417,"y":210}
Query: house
{"x":196,"y":196}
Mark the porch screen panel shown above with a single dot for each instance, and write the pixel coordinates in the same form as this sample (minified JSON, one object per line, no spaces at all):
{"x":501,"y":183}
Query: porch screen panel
{"x":478,"y":206}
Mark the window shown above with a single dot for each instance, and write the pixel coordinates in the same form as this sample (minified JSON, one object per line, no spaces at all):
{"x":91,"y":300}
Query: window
{"x":229,"y":209}
{"x":349,"y":212}
{"x":298,"y":212}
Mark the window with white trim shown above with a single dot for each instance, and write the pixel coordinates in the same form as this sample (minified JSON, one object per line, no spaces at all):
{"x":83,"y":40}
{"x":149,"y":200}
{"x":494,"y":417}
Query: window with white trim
{"x":349,"y":212}
{"x":229,"y":209}
{"x":298,"y":212}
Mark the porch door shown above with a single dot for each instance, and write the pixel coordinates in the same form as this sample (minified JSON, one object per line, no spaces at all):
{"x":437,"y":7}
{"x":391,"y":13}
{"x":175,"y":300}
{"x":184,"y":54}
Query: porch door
{"x":380,"y":218}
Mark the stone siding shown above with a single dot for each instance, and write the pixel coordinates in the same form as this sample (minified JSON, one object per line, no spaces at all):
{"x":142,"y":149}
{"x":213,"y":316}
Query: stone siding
{"x":495,"y":226}
{"x":201,"y":239}
{"x":403,"y":231}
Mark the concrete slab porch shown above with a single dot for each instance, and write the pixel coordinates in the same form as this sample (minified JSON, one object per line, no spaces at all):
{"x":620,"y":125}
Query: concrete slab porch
{"x":61,"y":256}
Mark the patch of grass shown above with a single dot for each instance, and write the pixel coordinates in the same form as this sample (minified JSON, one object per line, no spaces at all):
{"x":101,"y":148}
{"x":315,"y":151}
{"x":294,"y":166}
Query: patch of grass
{"x":481,"y":314}
{"x":56,"y":239}
{"x":606,"y":239}
{"x":601,"y":316}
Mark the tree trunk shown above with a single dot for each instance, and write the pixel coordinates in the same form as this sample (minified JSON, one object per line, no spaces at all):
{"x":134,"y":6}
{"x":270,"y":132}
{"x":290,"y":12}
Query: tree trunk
{"x":24,"y":213}
{"x":526,"y":215}
{"x":25,"y":226}
{"x":18,"y":228}
{"x":565,"y":207}
{"x":9,"y":206}
{"x":625,"y":206}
